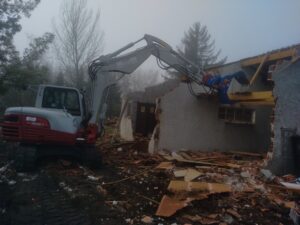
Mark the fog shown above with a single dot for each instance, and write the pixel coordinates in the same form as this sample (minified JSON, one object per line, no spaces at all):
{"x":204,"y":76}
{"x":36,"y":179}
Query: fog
{"x":240,"y":28}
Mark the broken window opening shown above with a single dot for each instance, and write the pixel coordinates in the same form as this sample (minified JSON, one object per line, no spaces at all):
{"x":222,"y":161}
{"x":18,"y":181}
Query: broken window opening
{"x":237,"y":115}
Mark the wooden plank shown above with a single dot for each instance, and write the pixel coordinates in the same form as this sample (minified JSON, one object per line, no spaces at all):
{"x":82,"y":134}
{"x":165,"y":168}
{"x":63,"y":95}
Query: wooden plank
{"x":258,"y":70}
{"x":181,"y":159}
{"x":257,"y":103}
{"x":251,"y":96}
{"x":272,"y":56}
{"x":246,"y":153}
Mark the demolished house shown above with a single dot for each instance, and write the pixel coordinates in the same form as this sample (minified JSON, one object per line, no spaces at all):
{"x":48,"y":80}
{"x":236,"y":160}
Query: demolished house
{"x":138,"y":110}
{"x":261,"y":117}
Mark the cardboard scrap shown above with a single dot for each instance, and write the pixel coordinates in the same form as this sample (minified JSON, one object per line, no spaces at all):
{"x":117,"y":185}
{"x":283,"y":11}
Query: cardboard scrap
{"x":165,"y":166}
{"x":169,"y":206}
{"x":211,"y":188}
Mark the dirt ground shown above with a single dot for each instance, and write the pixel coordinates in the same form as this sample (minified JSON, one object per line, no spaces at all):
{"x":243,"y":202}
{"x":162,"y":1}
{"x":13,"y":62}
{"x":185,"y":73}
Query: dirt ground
{"x":128,"y":190}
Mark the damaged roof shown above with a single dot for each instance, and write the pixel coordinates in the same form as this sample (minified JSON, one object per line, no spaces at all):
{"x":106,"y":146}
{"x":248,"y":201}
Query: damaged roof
{"x":280,"y":53}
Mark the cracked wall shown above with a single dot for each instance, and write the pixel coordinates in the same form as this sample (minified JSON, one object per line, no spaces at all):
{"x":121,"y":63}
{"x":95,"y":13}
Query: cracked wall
{"x":287,"y":118}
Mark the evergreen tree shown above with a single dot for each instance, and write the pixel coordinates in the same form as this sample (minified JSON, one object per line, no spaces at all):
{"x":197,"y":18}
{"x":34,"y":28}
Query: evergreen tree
{"x":198,"y":47}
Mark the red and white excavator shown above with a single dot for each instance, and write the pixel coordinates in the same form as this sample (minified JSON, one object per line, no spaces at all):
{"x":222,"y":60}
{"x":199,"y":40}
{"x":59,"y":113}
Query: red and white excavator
{"x":60,"y":122}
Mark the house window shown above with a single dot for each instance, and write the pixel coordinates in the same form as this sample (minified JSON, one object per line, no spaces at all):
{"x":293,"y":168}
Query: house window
{"x":237,"y":115}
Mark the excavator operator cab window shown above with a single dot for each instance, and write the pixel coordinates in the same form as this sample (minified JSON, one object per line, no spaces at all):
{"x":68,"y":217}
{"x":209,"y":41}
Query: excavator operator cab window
{"x":60,"y":98}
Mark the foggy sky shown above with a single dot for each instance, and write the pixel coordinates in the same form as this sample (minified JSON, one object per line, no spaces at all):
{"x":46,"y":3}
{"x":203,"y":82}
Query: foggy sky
{"x":241,"y":28}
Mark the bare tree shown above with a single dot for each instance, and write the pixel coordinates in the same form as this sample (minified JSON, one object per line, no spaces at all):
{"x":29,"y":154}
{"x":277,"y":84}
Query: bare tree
{"x":79,"y":39}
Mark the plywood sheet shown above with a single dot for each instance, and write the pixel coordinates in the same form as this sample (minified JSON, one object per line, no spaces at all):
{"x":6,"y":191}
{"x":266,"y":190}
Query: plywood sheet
{"x":169,"y":206}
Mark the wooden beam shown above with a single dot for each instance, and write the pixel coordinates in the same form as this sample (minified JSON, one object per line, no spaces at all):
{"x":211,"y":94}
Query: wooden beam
{"x":272,"y":56}
{"x":258,"y":69}
{"x":251,"y":96}
{"x":258,"y":103}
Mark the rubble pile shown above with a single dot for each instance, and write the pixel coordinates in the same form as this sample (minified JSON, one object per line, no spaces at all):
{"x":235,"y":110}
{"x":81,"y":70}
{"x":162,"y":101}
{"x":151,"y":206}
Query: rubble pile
{"x":134,"y":187}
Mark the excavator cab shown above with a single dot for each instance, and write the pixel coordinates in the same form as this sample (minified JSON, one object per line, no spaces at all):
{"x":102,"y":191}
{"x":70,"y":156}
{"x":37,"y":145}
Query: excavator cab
{"x":66,"y":99}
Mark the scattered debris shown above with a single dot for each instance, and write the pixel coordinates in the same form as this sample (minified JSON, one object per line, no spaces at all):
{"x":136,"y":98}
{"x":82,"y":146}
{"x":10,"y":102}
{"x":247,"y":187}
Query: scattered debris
{"x":12,"y":182}
{"x":185,"y":187}
{"x":4,"y":168}
{"x":92,"y":178}
{"x":267,"y":174}
{"x":147,"y":219}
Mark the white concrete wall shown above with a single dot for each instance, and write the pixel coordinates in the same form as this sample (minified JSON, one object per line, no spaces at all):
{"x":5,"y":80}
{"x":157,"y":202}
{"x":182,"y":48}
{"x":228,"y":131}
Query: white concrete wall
{"x":190,"y":123}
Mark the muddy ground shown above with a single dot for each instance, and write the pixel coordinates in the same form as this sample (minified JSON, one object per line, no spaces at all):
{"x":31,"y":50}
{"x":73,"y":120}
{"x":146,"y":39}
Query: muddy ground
{"x":125,"y":190}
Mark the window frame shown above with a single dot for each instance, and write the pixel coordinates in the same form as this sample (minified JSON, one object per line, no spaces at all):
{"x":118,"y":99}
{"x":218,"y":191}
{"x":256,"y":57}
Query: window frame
{"x":77,"y":113}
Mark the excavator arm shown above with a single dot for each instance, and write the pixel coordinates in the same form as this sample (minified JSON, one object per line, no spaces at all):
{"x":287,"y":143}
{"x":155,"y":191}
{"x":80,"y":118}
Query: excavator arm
{"x":103,"y":70}
{"x":103,"y":73}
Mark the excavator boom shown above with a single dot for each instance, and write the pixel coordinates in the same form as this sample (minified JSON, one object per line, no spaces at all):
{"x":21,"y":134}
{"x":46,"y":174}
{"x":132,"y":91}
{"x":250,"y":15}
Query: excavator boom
{"x":101,"y":70}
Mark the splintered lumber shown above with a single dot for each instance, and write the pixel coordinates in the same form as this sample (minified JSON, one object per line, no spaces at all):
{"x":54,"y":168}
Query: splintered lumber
{"x":272,"y":57}
{"x":179,"y":158}
{"x":169,"y":206}
{"x":211,"y":188}
{"x":258,"y":69}
{"x":246,"y":153}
